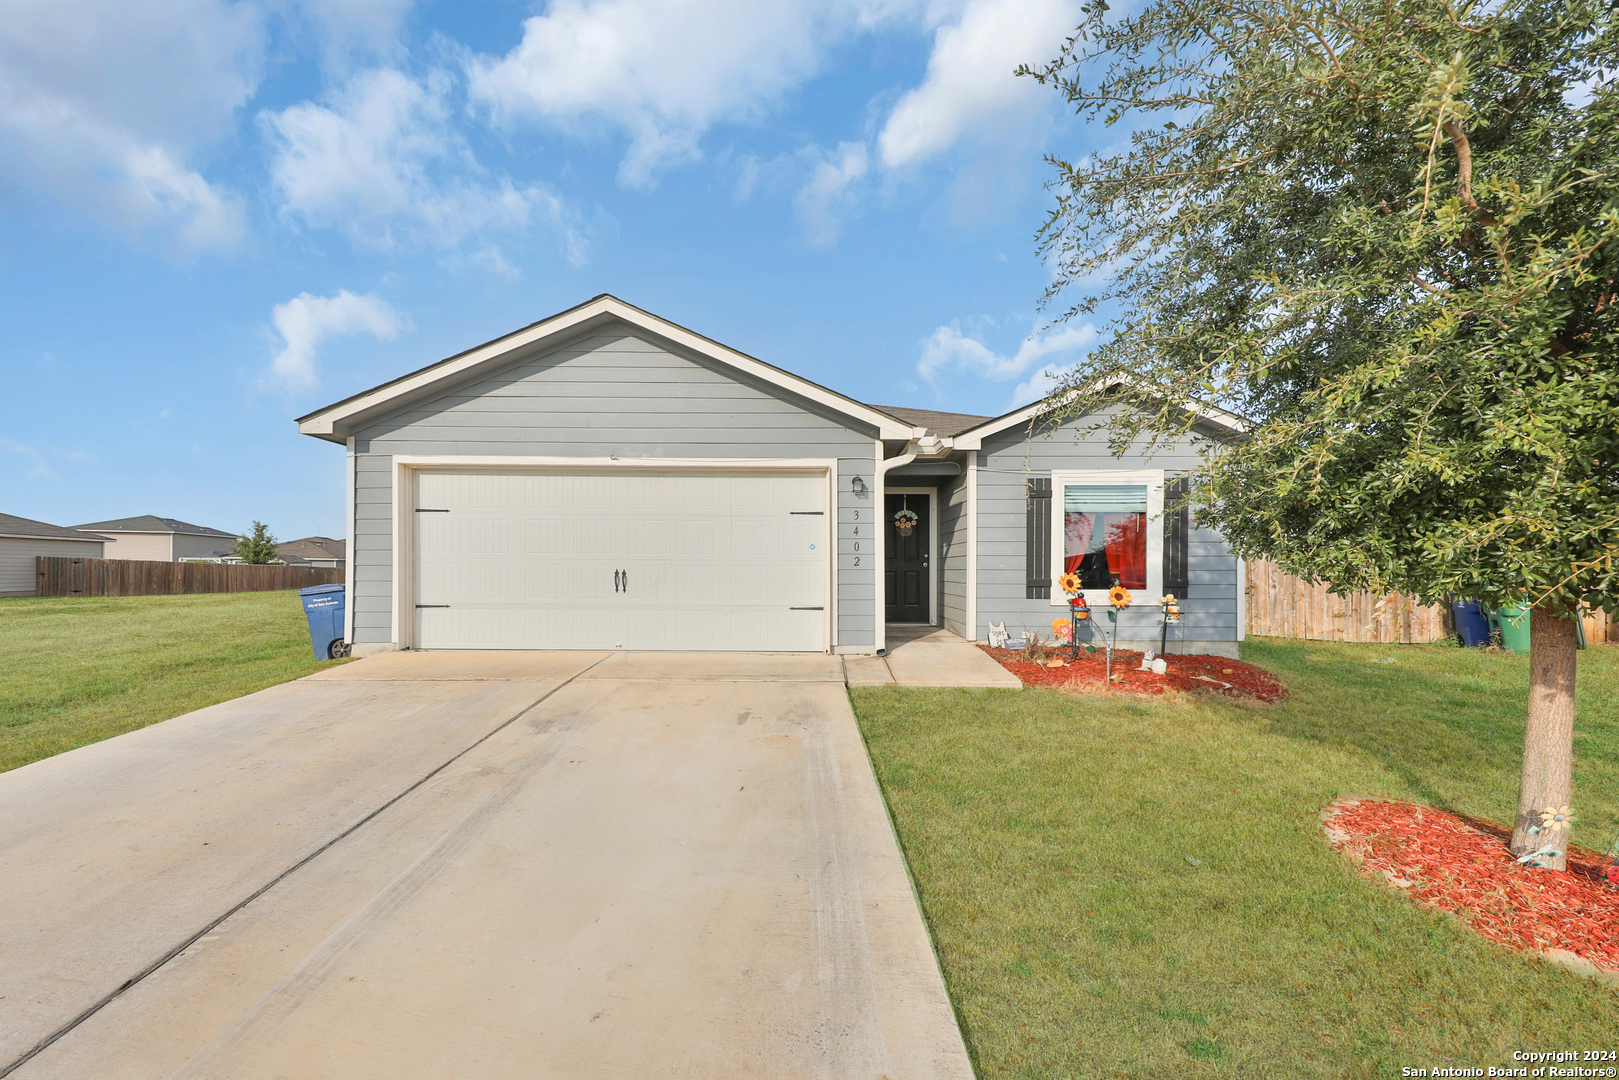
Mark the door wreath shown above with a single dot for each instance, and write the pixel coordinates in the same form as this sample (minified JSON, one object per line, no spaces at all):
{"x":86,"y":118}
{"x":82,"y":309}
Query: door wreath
{"x":905,"y":521}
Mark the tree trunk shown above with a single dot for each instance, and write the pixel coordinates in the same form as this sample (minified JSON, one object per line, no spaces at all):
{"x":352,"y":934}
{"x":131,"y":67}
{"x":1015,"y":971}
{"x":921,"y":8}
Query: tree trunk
{"x":1548,"y":742}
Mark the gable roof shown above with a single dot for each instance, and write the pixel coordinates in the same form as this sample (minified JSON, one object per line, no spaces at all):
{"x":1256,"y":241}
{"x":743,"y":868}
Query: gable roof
{"x":336,"y":421}
{"x":312,"y":547}
{"x":150,"y":523}
{"x":942,"y":424}
{"x":15,"y":527}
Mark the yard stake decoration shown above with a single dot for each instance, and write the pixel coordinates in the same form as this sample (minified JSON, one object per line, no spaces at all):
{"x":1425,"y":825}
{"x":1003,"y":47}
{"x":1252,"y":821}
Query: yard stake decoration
{"x":1172,"y":614}
{"x":1118,"y":597}
{"x":1078,"y":611}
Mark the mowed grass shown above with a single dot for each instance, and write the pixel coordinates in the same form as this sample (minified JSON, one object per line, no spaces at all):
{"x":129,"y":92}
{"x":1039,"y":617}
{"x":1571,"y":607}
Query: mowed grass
{"x":1140,"y":888}
{"x":76,"y":670}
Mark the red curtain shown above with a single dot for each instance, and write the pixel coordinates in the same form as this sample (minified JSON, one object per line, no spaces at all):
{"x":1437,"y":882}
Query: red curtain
{"x":1127,"y":549}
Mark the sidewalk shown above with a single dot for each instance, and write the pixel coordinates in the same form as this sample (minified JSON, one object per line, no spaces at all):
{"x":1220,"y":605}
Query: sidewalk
{"x":927,"y":656}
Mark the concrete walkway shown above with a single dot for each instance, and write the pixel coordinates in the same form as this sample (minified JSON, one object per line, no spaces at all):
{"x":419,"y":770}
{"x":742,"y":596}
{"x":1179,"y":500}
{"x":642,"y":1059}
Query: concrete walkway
{"x":473,"y":865}
{"x":928,"y":656}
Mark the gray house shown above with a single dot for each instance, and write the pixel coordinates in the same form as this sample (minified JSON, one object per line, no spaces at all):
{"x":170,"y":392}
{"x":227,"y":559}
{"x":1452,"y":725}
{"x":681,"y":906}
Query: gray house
{"x":606,"y":479}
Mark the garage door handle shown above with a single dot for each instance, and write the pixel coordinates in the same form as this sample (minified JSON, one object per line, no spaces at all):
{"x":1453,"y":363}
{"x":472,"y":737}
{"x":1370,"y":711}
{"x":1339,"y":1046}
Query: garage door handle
{"x":626,"y":574}
{"x":432,"y":605}
{"x":806,"y":609}
{"x":806,"y":513}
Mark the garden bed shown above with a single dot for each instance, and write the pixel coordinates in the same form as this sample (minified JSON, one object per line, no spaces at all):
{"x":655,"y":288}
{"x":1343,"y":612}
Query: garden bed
{"x":1230,"y":678}
{"x":1462,"y":866}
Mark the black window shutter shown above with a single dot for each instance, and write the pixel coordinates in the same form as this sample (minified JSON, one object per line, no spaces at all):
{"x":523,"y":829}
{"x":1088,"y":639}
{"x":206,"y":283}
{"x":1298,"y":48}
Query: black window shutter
{"x":1177,"y":535}
{"x":1037,"y":539}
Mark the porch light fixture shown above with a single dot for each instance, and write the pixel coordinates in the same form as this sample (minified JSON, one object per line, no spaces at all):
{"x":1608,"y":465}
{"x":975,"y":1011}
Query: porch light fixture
{"x":858,"y":486}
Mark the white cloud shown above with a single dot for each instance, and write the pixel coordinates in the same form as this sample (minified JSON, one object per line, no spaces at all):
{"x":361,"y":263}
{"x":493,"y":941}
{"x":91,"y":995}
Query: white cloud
{"x":664,"y":72}
{"x":948,"y":350}
{"x":382,"y":163}
{"x":820,"y":200}
{"x":348,"y":30}
{"x":1036,"y":387}
{"x":969,"y":88}
{"x":37,"y":468}
{"x":305,"y":321}
{"x":104,"y":103}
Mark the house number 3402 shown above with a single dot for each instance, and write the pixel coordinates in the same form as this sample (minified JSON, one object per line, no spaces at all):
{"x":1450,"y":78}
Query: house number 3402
{"x":855,"y":531}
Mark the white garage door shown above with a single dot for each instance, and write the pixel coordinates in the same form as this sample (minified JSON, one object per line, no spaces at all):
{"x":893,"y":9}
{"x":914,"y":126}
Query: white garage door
{"x":631,"y":560}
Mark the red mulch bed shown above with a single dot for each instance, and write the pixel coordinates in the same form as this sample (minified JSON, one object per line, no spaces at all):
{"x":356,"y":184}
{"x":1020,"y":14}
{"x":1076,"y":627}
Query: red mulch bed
{"x":1230,"y":678}
{"x":1462,"y":866}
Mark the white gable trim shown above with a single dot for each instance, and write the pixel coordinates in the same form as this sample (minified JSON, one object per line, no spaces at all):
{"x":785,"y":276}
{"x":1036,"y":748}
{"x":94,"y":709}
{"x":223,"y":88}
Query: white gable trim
{"x":333,"y":422}
{"x":973,"y":438}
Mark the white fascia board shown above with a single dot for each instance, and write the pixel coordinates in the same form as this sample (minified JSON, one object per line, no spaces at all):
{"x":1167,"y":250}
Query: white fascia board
{"x":60,"y":539}
{"x":329,"y":423}
{"x":973,"y":438}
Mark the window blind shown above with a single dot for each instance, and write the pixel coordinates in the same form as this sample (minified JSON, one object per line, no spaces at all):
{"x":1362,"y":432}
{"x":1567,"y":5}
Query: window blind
{"x":1104,"y":499}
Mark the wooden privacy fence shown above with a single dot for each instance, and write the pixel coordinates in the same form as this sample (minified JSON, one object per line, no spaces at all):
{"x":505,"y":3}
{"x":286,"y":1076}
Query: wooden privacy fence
{"x":59,"y":575}
{"x":1280,"y":605}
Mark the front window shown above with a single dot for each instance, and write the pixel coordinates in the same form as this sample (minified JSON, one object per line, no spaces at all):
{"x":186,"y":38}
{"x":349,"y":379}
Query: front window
{"x":1106,"y":526}
{"x":1105,"y":534}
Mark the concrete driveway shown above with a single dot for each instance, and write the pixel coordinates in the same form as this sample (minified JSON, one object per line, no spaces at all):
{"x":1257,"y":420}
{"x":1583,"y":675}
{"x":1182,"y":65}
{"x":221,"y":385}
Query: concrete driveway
{"x":477,"y":865}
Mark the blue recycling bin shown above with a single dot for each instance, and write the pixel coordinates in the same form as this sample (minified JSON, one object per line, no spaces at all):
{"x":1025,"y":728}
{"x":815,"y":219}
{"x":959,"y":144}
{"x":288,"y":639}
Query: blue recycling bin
{"x":1471,"y":623}
{"x":323,"y":606}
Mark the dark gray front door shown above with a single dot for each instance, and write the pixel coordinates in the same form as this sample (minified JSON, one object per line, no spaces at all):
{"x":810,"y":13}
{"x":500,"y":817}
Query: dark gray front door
{"x":906,"y":552}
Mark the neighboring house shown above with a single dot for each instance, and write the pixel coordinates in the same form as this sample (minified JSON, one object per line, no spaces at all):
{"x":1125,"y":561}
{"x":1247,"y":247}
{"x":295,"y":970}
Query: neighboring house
{"x":607,"y":479}
{"x":161,"y":539}
{"x":23,"y":538}
{"x":313,"y":551}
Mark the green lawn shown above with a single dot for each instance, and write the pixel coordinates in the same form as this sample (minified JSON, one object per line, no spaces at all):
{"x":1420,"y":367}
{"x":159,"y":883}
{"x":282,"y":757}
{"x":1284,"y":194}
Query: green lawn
{"x":76,"y":670}
{"x":1052,"y":840}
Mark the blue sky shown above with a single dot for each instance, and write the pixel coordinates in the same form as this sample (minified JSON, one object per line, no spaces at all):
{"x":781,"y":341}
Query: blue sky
{"x":219,"y":216}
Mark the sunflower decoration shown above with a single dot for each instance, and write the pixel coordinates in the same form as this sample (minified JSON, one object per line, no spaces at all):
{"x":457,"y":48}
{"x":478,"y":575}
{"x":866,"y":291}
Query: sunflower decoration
{"x":1118,"y":596}
{"x":1070,"y":583}
{"x":1555,"y":818}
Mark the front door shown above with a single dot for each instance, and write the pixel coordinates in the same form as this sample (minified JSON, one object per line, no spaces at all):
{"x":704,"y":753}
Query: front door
{"x":906,"y":573}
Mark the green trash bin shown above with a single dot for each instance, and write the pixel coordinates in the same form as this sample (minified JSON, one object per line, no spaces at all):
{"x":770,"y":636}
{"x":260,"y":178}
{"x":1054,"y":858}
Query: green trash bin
{"x":1509,"y":625}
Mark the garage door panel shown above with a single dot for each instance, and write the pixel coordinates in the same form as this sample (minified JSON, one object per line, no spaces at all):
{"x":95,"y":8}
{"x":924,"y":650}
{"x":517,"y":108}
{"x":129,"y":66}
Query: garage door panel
{"x":713,"y":560}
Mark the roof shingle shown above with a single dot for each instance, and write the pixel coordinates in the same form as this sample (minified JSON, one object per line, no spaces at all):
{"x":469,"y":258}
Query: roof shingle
{"x":151,"y":523}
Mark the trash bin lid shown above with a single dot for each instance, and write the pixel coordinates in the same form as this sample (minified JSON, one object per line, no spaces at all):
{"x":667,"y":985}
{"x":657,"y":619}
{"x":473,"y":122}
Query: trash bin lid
{"x":316,"y":590}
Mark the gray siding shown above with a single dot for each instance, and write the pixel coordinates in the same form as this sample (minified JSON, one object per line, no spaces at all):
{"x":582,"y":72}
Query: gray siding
{"x":953,"y":568}
{"x":608,"y":393}
{"x":1005,"y":464}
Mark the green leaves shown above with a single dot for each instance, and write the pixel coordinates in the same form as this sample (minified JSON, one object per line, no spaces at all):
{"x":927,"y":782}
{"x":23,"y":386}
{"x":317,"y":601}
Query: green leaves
{"x":1422,"y":330}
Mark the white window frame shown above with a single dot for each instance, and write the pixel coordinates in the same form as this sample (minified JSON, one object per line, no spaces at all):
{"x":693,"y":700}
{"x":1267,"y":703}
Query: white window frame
{"x":1154,"y":479}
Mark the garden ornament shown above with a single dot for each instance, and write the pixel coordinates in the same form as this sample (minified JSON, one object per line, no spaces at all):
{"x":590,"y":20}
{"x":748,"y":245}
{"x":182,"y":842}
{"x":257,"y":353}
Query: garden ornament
{"x":997,"y":635}
{"x":1172,"y":613}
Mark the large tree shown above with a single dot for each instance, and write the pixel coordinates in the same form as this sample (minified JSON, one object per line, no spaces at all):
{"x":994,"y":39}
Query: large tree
{"x":1388,"y":234}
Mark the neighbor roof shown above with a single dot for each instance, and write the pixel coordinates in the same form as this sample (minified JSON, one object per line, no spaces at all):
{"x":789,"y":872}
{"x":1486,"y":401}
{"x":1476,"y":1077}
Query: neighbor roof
{"x":336,"y":421}
{"x":312,"y":547}
{"x":27,"y":528}
{"x":149,"y":523}
{"x":943,"y":424}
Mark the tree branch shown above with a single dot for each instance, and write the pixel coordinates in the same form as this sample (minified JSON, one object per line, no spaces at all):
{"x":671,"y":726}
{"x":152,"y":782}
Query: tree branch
{"x":1464,"y":173}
